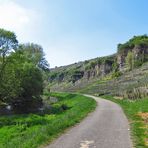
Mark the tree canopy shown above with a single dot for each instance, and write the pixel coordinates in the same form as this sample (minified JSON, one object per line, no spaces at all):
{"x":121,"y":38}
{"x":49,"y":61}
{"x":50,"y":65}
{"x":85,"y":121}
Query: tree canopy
{"x":35,"y":53}
{"x":8,"y":42}
{"x":21,"y":73}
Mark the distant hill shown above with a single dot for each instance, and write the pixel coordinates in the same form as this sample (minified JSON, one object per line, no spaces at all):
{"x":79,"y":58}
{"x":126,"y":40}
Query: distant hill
{"x":124,"y":69}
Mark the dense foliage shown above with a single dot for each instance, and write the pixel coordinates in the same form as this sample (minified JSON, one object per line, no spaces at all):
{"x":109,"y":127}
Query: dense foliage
{"x":21,"y":66}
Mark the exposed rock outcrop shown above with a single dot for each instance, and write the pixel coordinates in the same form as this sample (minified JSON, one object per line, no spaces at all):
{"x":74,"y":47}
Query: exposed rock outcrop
{"x":99,"y":67}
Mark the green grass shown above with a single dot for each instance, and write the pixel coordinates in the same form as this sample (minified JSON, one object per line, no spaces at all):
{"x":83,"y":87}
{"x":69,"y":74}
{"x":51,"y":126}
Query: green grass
{"x":30,"y":131}
{"x":131,"y":109}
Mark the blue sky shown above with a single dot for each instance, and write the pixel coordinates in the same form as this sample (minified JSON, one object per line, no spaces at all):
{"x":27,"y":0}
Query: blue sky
{"x":75,"y":30}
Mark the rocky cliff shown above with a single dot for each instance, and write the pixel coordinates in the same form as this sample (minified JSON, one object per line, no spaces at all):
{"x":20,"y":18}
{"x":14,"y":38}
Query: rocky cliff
{"x":87,"y":70}
{"x":138,"y":46}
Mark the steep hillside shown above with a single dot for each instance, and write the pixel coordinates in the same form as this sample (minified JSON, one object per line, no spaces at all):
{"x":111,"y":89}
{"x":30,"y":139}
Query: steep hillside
{"x":87,"y":70}
{"x":117,"y":74}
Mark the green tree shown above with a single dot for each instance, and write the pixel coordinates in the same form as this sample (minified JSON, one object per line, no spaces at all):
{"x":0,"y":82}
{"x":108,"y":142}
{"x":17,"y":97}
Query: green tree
{"x":21,"y":75}
{"x":35,"y":53}
{"x":22,"y":85}
{"x":31,"y":88}
{"x":8,"y":43}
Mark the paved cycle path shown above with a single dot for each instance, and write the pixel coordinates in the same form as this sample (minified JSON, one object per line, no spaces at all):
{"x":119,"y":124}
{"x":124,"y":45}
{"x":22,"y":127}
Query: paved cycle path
{"x":106,"y":127}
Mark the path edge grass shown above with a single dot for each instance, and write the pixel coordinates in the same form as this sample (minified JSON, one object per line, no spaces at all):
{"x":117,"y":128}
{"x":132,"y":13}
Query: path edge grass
{"x":91,"y":110}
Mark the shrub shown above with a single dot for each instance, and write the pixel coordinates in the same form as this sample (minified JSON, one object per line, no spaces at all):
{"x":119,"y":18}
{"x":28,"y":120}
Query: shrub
{"x":116,"y":74}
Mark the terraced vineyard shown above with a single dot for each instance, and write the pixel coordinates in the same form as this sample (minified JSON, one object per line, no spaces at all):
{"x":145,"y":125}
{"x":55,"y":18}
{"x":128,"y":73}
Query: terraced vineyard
{"x":135,"y":81}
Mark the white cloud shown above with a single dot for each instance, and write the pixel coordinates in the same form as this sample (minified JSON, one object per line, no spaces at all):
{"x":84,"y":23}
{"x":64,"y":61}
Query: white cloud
{"x":15,"y":17}
{"x":12,"y":15}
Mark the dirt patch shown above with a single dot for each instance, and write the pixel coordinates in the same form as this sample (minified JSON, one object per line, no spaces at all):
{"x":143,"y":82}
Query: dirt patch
{"x":146,"y":141}
{"x":144,"y":116}
{"x":119,"y":98}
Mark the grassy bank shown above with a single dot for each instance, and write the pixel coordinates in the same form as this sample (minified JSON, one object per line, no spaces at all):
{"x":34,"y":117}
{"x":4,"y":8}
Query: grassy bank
{"x":136,"y":112}
{"x":30,"y":131}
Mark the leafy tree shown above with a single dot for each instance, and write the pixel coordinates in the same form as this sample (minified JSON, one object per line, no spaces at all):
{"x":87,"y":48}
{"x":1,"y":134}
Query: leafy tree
{"x":10,"y":84}
{"x":22,"y":85}
{"x":31,"y":84}
{"x":21,"y":75}
{"x":35,"y":53}
{"x":8,"y":43}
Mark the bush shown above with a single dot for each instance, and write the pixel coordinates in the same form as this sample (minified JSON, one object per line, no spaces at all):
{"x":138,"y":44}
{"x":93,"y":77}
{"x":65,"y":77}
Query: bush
{"x":116,"y":74}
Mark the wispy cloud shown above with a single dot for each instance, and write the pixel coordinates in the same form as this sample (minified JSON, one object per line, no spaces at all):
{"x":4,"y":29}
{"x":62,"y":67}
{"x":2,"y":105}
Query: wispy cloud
{"x":17,"y":18}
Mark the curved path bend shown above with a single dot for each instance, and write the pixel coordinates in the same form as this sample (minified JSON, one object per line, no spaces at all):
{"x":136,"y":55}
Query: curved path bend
{"x":106,"y":127}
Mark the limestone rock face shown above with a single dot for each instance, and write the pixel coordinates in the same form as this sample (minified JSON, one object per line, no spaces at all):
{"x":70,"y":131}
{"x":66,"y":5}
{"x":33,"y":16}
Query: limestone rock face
{"x":98,"y":70}
{"x":77,"y":76}
{"x":139,"y":53}
{"x":105,"y":68}
{"x":121,"y":58}
{"x":120,"y":61}
{"x":90,"y":74}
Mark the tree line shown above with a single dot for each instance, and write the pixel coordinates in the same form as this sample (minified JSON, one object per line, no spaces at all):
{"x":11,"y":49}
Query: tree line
{"x":22,"y":67}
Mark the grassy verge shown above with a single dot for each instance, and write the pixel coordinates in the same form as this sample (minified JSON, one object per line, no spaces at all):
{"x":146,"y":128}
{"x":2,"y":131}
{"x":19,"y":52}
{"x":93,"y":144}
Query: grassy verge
{"x":139,"y":126}
{"x":30,"y":131}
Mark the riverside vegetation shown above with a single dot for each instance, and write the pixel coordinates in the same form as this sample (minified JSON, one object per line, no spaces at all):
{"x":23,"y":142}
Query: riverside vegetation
{"x":23,"y":69}
{"x":34,"y":130}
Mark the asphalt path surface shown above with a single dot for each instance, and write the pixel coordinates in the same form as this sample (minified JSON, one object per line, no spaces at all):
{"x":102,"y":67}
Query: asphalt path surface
{"x":106,"y":127}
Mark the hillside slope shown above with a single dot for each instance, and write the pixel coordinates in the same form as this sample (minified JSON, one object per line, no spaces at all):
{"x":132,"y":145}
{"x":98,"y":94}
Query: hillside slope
{"x":118,"y":74}
{"x":137,"y":79}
